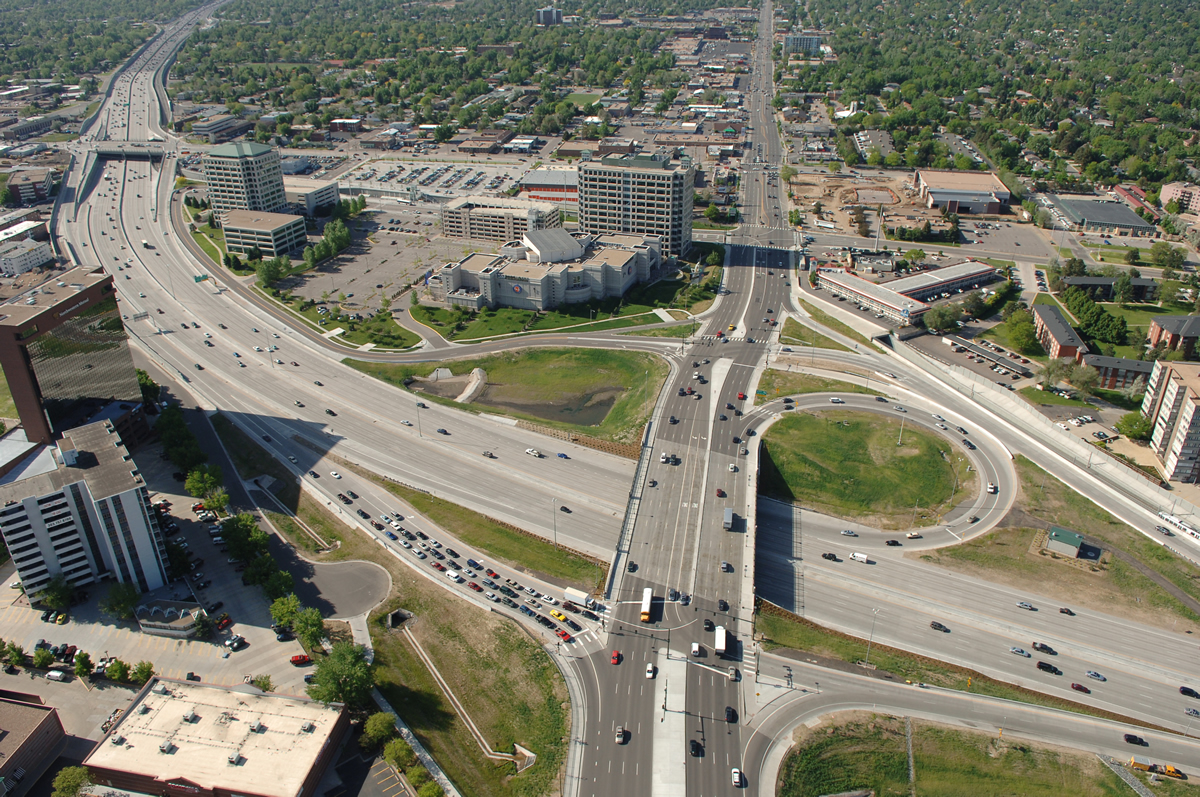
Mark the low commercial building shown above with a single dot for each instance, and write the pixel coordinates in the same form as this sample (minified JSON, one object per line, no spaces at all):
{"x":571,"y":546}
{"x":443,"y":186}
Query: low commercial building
{"x":963,"y":192}
{"x":79,"y":509}
{"x":547,"y":269}
{"x":1117,"y":373}
{"x":1064,"y":542}
{"x":867,"y":141}
{"x":807,"y":42}
{"x":560,"y":186}
{"x":1101,"y":215}
{"x":273,"y":234}
{"x":927,"y":285}
{"x":1175,"y":332}
{"x":599,"y":149}
{"x":221,"y":127}
{"x":485,"y":218}
{"x":895,"y":307}
{"x":1101,"y":288}
{"x":34,"y":125}
{"x":17,"y":257}
{"x":308,"y":196}
{"x":205,"y":740}
{"x":1186,"y":194}
{"x":485,"y":142}
{"x":1172,"y":403}
{"x":31,"y":185}
{"x":31,"y":738}
{"x":1056,"y":334}
{"x":173,"y":619}
{"x":345,"y":126}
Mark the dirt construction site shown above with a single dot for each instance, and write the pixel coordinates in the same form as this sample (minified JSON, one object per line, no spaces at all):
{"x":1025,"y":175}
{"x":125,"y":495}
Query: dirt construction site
{"x":838,"y":192}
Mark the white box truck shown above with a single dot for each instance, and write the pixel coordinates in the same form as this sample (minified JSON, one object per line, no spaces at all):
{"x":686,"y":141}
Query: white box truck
{"x":728,"y":521}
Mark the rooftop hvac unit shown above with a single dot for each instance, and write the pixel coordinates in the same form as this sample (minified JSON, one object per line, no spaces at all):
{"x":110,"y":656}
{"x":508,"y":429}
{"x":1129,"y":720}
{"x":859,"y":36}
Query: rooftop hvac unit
{"x":307,"y":727}
{"x":166,"y":747}
{"x":189,"y":717}
{"x":255,"y":726}
{"x":234,"y":758}
{"x":143,"y":709}
{"x":118,"y":740}
{"x":159,"y":689}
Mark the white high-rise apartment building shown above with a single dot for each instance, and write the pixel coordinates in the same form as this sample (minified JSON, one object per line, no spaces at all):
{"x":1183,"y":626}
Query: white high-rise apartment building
{"x":244,"y":176}
{"x":1172,"y":402}
{"x":82,"y":510}
{"x":639,"y":194}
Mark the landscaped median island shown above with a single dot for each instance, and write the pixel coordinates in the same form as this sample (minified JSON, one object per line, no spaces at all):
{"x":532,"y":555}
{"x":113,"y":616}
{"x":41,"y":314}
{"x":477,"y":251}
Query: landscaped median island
{"x":796,"y":333}
{"x":860,"y":465}
{"x":1108,"y":584}
{"x":775,"y":383}
{"x":597,"y":392}
{"x":862,"y":750}
{"x":500,"y":674}
{"x":826,"y":320}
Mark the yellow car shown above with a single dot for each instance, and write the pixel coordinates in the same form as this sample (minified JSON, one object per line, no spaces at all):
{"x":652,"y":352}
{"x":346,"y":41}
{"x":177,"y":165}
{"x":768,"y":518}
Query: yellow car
{"x":557,"y":615}
{"x":732,"y":327}
{"x":61,"y":620}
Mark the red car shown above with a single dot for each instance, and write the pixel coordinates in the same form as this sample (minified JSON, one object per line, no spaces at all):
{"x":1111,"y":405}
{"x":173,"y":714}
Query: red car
{"x":616,"y":657}
{"x":475,"y":586}
{"x":301,"y":660}
{"x":492,"y":573}
{"x":1081,"y":688}
{"x":197,"y":507}
{"x":564,"y":636}
{"x":439,"y":566}
{"x":741,"y":396}
{"x":720,"y":493}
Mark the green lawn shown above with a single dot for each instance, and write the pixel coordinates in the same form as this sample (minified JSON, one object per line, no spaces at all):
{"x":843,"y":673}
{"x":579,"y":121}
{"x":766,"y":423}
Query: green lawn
{"x":777,"y":383}
{"x":999,"y":335}
{"x":826,"y":320}
{"x":1116,"y":587}
{"x":8,"y":409}
{"x":552,"y":385}
{"x":582,"y":100}
{"x":1139,"y":315}
{"x":208,"y":247}
{"x":795,"y":332}
{"x":681,"y":331}
{"x":1035,"y":396}
{"x":848,"y":464}
{"x":380,"y":329}
{"x":1117,"y":399}
{"x":871,"y":753}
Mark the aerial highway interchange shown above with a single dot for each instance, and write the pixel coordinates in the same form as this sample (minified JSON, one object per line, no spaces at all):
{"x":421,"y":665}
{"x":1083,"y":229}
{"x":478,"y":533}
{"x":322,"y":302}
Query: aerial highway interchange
{"x":659,"y":522}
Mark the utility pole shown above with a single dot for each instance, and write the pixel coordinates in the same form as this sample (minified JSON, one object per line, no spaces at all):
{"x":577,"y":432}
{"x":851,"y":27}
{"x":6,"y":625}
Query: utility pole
{"x":870,"y":639}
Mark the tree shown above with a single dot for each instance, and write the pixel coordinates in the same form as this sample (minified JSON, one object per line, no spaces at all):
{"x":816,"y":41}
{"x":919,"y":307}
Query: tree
{"x":973,"y":304}
{"x":379,"y":728}
{"x":1054,"y":371}
{"x":118,"y":671}
{"x":83,"y":664}
{"x":1074,"y":267}
{"x":16,"y":653}
{"x":309,"y":627}
{"x":143,"y":671}
{"x":1123,"y":289}
{"x":1163,"y":255}
{"x":264,"y":683}
{"x":122,"y":599}
{"x":245,"y":540}
{"x":1135,"y":426}
{"x":6,"y":196}
{"x":712,"y":213}
{"x":203,"y":479}
{"x":217,"y":500}
{"x":713,"y":259}
{"x":71,"y":781}
{"x":42,"y":658}
{"x":285,"y":609}
{"x":1133,"y":256}
{"x":269,"y":271}
{"x":259,"y":571}
{"x":150,"y":388}
{"x":399,"y":753}
{"x":942,"y":317}
{"x":915,"y":256}
{"x":1135,"y":390}
{"x":1022,"y":333}
{"x":344,"y":676}
{"x":57,"y":593}
{"x":278,"y":584}
{"x":430,"y":789}
{"x":1084,"y":378}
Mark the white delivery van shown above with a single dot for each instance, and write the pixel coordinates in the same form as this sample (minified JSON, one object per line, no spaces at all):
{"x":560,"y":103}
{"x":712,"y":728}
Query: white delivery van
{"x":859,"y":557}
{"x":56,"y":675}
{"x":453,"y":576}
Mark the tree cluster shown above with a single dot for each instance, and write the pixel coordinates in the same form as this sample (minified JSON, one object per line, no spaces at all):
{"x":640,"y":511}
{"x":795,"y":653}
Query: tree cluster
{"x":1094,"y":321}
{"x":180,"y":444}
{"x":926,"y":234}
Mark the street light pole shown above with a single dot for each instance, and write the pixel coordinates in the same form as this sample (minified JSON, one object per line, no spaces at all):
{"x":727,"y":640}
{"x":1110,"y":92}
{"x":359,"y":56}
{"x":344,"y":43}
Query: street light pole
{"x":419,"y":423}
{"x":870,"y":639}
{"x":554,"y":519}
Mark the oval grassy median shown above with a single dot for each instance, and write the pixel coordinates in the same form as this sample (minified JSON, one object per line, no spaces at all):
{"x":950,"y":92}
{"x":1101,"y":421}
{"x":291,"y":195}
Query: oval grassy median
{"x":848,"y":464}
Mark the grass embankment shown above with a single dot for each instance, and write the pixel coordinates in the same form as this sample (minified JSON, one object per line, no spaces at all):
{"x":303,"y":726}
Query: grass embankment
{"x":8,"y":408}
{"x":682,"y":331}
{"x":778,"y":383}
{"x":795,"y":332}
{"x":799,"y":634}
{"x":1035,"y":396}
{"x":1116,"y":587}
{"x":503,"y":678}
{"x":547,"y":386}
{"x":848,"y":464}
{"x":209,"y":248}
{"x":870,"y":752}
{"x":826,"y":320}
{"x":380,"y":329}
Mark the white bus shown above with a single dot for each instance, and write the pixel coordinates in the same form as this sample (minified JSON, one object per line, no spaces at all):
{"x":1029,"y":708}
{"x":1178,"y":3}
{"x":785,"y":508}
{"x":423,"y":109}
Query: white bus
{"x":647,"y":597}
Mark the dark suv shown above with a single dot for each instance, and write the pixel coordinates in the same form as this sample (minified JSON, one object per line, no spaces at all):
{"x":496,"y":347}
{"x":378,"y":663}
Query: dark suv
{"x":1050,"y":668}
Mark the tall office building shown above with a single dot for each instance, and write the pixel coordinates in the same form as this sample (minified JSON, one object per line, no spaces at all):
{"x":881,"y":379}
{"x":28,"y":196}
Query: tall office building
{"x":65,"y":355}
{"x":81,"y":510}
{"x":244,"y":176}
{"x":549,"y":16}
{"x":639,"y":194}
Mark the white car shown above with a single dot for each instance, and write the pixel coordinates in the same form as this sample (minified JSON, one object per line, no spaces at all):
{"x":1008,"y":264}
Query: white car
{"x":1097,"y":676}
{"x":848,"y":533}
{"x":991,"y":488}
{"x":1018,"y":652}
{"x":836,"y":400}
{"x":533,"y":452}
{"x":737,"y":777}
{"x":335,"y":474}
{"x":937,"y":417}
{"x":732,"y":468}
{"x":649,"y":670}
{"x":406,"y":423}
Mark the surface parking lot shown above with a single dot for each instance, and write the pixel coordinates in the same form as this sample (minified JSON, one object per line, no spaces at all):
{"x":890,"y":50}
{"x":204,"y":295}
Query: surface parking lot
{"x":462,"y":176}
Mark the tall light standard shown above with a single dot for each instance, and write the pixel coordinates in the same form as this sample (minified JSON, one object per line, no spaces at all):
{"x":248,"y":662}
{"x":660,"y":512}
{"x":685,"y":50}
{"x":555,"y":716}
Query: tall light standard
{"x":554,"y":519}
{"x":870,"y":639}
{"x":419,"y":421}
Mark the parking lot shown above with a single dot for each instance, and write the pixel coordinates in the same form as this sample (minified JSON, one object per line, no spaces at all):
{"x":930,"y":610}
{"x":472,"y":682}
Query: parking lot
{"x":460,"y":176}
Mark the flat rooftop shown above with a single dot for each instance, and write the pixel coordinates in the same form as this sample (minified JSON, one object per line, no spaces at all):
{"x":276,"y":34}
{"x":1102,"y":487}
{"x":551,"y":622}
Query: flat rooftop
{"x":277,"y":738}
{"x":102,"y":461}
{"x":300,"y":183}
{"x":17,"y":722}
{"x":941,"y":276}
{"x":880,"y":293}
{"x":985,"y":182}
{"x":1102,"y":212}
{"x":63,"y":289}
{"x":258,"y":220}
{"x":499,"y":203}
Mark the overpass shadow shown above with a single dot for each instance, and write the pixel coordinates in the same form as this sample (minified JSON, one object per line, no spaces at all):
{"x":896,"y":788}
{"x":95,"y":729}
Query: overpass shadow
{"x":778,"y":554}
